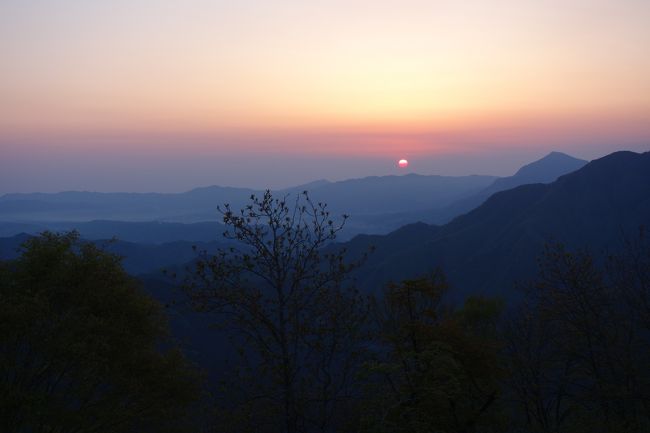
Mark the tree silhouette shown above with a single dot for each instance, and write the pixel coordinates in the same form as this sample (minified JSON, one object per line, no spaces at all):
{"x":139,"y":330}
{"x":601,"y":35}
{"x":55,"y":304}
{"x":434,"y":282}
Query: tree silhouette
{"x":436,"y":369}
{"x":579,"y":349}
{"x":80,"y":346}
{"x":283,"y":298}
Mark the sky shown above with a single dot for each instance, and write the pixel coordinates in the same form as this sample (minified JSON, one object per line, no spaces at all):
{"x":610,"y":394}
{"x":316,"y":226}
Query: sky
{"x":145,"y":95}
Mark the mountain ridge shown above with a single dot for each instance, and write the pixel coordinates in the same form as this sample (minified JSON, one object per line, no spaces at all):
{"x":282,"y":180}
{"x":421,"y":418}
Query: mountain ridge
{"x":377,"y":204}
{"x":484,"y":250}
{"x":371,"y":194}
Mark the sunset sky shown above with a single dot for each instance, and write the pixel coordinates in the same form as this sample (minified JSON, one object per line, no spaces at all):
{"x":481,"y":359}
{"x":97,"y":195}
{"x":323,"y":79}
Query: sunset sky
{"x":154,"y":95}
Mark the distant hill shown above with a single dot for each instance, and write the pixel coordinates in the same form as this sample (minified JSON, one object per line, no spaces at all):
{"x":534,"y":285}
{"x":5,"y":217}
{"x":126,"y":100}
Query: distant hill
{"x":137,"y":258}
{"x":544,"y":170}
{"x":147,"y":232}
{"x":377,"y":204}
{"x":9,"y":246}
{"x":380,"y":194}
{"x":369,"y":195}
{"x":485,"y":250}
{"x":482,"y":251}
{"x":196,"y":205}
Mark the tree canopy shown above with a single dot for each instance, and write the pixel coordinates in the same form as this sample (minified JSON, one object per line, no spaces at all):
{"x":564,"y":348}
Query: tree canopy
{"x":82,"y":349}
{"x":435,"y":368}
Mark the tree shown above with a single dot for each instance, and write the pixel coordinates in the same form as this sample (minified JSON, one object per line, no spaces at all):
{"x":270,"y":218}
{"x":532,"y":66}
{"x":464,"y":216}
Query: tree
{"x":283,"y":298}
{"x":81,"y":348}
{"x":539,"y":376}
{"x":436,"y":369}
{"x":578,"y":352}
{"x":629,"y":273}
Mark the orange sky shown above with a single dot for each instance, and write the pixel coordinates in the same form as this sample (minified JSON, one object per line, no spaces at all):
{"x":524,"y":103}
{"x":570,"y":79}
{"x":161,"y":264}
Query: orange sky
{"x":339,"y":77}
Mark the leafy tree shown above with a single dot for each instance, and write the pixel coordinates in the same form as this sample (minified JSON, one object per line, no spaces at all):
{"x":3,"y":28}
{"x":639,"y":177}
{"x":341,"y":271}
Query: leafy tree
{"x":578,"y":353}
{"x":282,"y":297}
{"x":80,"y":346}
{"x":629,"y":274}
{"x":539,"y":377}
{"x":436,"y":369}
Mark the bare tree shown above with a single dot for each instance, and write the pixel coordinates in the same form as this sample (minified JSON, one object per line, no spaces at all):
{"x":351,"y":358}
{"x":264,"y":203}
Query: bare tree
{"x":283,"y":295}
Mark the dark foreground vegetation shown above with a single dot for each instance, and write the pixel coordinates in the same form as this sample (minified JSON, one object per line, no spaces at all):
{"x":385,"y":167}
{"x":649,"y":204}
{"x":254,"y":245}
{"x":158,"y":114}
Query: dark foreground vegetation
{"x":83,"y":349}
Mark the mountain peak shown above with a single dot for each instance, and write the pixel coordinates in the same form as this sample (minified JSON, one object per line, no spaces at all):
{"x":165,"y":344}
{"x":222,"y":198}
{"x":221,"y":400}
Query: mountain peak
{"x":555,"y":153}
{"x":550,"y":167}
{"x":544,"y":170}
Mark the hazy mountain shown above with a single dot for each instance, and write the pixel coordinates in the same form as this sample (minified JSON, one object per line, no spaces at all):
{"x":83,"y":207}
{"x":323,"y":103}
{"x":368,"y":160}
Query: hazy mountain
{"x":544,"y":170}
{"x":367,"y":195}
{"x":483,"y":251}
{"x":10,"y":246}
{"x":8,"y":229}
{"x":152,"y":259}
{"x":486,"y":249}
{"x":380,"y":194}
{"x":149,"y":232}
{"x":196,"y":205}
{"x":138,"y":258}
{"x":310,"y":186}
{"x":377,"y":204}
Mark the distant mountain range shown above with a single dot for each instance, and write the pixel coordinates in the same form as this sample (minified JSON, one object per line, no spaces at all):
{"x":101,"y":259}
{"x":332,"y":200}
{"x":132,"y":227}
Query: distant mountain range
{"x":482,"y":252}
{"x":544,"y":170}
{"x":377,"y":204}
{"x":371,"y":195}
{"x":147,"y":232}
{"x":138,"y":258}
{"x":487,"y":249}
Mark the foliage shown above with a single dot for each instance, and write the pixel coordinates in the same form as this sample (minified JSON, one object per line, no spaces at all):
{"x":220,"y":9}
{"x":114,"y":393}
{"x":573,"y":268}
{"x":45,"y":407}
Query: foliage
{"x":80,"y":346}
{"x":579,"y":349}
{"x":282,"y":297}
{"x":436,"y":369}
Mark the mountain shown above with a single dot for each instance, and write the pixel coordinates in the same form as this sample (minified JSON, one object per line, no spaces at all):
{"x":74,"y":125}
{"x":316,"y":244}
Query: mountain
{"x":381,"y":194}
{"x":10,"y":246}
{"x":377,"y":204}
{"x":199,"y":204}
{"x":487,"y":249}
{"x":310,"y":186}
{"x":370,"y":195}
{"x":481,"y":252}
{"x":147,"y":232}
{"x":137,"y":258}
{"x":544,"y":170}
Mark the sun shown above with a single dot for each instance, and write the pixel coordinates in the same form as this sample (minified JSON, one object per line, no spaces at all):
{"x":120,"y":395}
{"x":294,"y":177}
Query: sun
{"x":402,"y":163}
